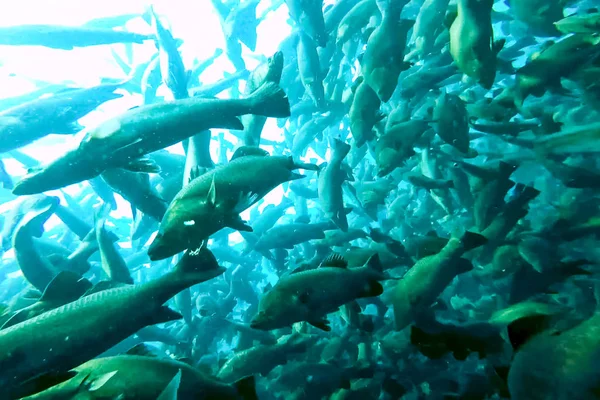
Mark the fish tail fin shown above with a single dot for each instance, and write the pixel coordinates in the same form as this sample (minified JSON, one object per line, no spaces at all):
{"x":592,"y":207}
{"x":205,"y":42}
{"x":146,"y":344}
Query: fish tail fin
{"x":269,"y":100}
{"x":39,"y":215}
{"x":463,"y":265}
{"x":372,"y":289}
{"x":471,"y":240}
{"x":529,"y":193}
{"x":374,"y":263}
{"x":197,"y":266}
{"x":246,"y":388}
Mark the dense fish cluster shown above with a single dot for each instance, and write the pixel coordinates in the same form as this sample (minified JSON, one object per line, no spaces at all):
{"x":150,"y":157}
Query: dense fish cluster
{"x":436,"y":237}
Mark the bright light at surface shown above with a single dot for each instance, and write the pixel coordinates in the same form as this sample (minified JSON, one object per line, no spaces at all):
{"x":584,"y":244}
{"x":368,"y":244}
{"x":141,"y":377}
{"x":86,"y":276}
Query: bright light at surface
{"x":24,"y":69}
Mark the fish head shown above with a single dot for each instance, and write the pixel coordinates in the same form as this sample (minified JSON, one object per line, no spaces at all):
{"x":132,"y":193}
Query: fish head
{"x":263,"y":321}
{"x":163,"y":246}
{"x":185,"y":225}
{"x":170,"y":240}
{"x":276,"y":310}
{"x":36,"y":181}
{"x":386,"y":161}
{"x":276,"y":65}
{"x":72,"y":167}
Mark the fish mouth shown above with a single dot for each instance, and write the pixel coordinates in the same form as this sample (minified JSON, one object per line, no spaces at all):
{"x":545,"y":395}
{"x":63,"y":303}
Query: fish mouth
{"x":158,"y":251}
{"x":259,"y":325}
{"x":28,"y":185}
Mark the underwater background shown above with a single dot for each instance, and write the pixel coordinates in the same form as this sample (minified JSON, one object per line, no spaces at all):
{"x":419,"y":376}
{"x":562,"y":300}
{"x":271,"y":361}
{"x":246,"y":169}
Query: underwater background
{"x":299,"y":199}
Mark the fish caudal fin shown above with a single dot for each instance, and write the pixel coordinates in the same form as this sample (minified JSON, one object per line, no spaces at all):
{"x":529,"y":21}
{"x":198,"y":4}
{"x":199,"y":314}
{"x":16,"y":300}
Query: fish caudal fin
{"x":270,"y":100}
{"x":246,"y":388}
{"x":472,"y":240}
{"x":198,"y":266}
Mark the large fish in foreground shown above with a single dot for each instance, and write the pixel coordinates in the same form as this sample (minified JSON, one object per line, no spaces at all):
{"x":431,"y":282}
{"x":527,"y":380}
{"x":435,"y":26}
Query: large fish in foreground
{"x":144,"y":378}
{"x":121,"y":141}
{"x":67,"y":336}
{"x":214,"y":200}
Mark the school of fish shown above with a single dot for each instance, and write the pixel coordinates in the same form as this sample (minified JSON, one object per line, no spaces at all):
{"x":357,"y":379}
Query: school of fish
{"x":436,"y":237}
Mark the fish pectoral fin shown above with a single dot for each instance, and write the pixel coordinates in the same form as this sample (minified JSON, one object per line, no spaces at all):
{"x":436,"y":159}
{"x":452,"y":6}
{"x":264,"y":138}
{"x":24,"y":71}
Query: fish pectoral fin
{"x":236,"y":222}
{"x":322,"y":324}
{"x":245,"y":201}
{"x":93,"y":384}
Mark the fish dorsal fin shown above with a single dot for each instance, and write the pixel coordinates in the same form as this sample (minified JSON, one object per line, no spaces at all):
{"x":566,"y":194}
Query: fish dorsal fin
{"x":67,"y":286}
{"x":334,"y":260}
{"x":211,"y":196}
{"x":104,"y":285}
{"x":141,"y":349}
{"x":248,"y":151}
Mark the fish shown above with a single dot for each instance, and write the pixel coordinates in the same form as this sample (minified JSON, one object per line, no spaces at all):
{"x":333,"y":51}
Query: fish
{"x":216,"y":198}
{"x":307,"y":296}
{"x":58,"y":114}
{"x":263,"y":358}
{"x":134,"y":134}
{"x":66,"y":37}
{"x":31,"y":348}
{"x":130,"y":373}
{"x":472,"y":43}
{"x":308,"y":15}
{"x":301,"y":199}
{"x":425,"y":281}
{"x":171,"y":65}
{"x":269,"y":72}
{"x":331,"y":179}
{"x":113,"y":263}
{"x":586,"y":23}
{"x":383,"y":60}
